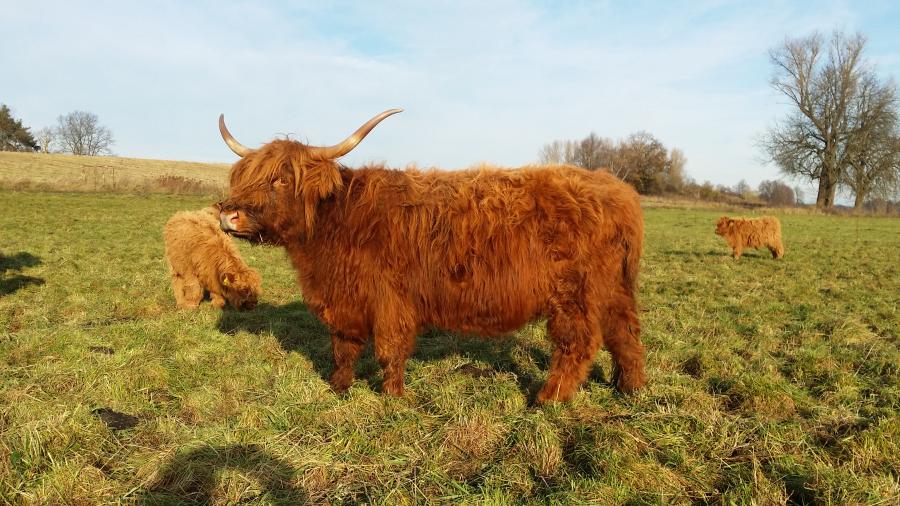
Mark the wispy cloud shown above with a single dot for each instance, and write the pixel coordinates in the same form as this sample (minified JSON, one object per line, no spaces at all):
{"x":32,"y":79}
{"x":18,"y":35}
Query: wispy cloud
{"x":480,"y":81}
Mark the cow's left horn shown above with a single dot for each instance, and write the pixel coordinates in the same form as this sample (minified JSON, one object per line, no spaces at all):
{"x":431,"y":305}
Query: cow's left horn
{"x":238,"y":148}
{"x":350,"y":142}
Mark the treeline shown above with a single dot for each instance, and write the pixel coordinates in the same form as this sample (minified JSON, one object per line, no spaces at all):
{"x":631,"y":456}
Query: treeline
{"x":640,"y":159}
{"x":653,"y":169}
{"x":76,"y":133}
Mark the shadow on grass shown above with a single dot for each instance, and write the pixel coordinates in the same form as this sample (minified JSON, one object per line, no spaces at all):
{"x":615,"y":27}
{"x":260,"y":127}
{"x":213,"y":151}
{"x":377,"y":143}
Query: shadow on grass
{"x":17,"y":262}
{"x":193,"y":476}
{"x":299,"y":330}
{"x":688,"y":253}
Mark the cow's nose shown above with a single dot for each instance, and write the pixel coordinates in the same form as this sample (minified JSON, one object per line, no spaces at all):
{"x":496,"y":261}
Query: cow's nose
{"x":228,"y":220}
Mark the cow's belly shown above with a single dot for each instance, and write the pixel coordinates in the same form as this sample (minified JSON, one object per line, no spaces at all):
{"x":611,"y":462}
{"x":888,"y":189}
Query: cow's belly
{"x":495,"y":306}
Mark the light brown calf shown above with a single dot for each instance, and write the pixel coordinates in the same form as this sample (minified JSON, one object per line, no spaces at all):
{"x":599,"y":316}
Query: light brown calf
{"x":742,"y":233}
{"x":202,"y":257}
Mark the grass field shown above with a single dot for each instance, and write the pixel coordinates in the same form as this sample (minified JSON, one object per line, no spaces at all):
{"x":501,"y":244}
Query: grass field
{"x":769,"y":382}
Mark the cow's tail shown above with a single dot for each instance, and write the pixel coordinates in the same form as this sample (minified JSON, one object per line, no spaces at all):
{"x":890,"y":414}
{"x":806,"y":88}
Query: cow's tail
{"x":633,"y":245}
{"x":631,"y":260}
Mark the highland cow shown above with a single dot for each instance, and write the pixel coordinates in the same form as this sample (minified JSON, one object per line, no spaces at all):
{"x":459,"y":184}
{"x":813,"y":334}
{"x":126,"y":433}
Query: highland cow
{"x":742,"y":233}
{"x":387,"y":253}
{"x":203,"y":258}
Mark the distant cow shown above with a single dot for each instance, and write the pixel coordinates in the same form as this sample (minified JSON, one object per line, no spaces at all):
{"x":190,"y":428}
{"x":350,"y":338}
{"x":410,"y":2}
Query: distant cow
{"x":202,"y":257}
{"x":389,"y":252}
{"x":742,"y":233}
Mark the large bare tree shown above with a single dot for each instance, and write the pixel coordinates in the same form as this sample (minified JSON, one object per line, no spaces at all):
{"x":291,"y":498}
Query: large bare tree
{"x":823,"y":82}
{"x":81,"y":133}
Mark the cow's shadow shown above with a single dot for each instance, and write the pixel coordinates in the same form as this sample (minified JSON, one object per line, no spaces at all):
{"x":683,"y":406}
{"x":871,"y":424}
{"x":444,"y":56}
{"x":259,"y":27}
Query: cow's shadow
{"x":17,"y":262}
{"x":300,"y":331}
{"x":192,"y":475}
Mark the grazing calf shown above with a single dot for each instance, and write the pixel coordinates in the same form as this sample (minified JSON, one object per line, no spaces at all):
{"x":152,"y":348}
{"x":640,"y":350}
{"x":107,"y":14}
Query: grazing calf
{"x":386,"y":253}
{"x":742,"y":233}
{"x":202,"y":257}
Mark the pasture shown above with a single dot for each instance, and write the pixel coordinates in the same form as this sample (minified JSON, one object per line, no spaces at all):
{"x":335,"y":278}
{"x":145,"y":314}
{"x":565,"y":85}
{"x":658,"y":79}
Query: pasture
{"x":773,"y":382}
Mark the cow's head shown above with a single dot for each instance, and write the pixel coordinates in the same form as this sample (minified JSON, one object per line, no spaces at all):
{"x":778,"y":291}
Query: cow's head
{"x":275,"y":189}
{"x":723,"y":224}
{"x":241,"y":291}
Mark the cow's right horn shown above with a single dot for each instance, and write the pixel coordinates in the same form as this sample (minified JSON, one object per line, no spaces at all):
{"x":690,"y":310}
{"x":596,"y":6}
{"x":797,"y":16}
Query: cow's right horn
{"x":349,"y":143}
{"x":238,"y":148}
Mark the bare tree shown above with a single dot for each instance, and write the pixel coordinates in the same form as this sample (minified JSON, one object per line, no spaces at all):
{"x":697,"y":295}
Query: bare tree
{"x":646,"y":161}
{"x":80,"y":133}
{"x":873,"y":153}
{"x":777,"y":193}
{"x":47,"y":139}
{"x":675,"y":177}
{"x":588,"y":152}
{"x":821,"y":82}
{"x":743,"y":189}
{"x":557,"y":152}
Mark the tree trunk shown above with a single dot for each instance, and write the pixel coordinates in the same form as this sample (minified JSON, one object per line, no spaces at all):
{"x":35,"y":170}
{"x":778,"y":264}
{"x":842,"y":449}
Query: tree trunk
{"x":858,"y":203}
{"x":822,"y":197}
{"x":827,"y":190}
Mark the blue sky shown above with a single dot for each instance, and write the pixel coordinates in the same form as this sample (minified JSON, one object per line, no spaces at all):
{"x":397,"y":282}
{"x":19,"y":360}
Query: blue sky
{"x":479,"y":81}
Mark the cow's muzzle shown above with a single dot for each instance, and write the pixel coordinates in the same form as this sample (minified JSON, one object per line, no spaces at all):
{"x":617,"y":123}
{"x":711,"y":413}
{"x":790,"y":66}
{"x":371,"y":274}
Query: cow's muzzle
{"x":228,"y":220}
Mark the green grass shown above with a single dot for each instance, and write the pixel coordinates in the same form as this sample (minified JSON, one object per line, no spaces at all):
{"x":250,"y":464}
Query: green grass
{"x":769,"y":381}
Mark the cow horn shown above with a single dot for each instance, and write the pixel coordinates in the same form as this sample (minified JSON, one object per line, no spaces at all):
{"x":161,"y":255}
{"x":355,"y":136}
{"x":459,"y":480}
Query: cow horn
{"x":349,"y":143}
{"x":238,"y":148}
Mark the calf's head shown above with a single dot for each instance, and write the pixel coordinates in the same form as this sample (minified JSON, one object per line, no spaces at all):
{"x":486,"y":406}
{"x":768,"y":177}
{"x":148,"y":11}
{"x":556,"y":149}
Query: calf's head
{"x":723,"y":224}
{"x":241,"y":291}
{"x":275,"y":189}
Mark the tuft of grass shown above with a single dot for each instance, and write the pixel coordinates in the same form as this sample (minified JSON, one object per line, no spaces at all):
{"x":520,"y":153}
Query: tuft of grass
{"x":769,"y":381}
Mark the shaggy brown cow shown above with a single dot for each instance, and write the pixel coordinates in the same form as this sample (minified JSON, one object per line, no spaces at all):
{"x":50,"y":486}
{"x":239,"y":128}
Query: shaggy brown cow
{"x":201,"y":257}
{"x":742,"y":233}
{"x":388,"y":252}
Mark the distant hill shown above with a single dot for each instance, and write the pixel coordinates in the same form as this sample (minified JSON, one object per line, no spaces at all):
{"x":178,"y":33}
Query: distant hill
{"x":109,"y":173}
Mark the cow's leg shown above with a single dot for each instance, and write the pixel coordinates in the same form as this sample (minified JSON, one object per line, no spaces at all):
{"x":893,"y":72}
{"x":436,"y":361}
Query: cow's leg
{"x":178,"y":289}
{"x":577,"y":338}
{"x":621,"y":336}
{"x":188,"y":293}
{"x":736,"y":252}
{"x":392,"y":350}
{"x":395,"y":338}
{"x":347,"y":349}
{"x":777,"y":250}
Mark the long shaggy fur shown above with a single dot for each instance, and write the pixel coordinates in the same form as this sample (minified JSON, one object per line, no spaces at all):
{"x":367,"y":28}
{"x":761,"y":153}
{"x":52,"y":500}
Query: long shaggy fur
{"x":202,"y":257}
{"x":386,"y":253}
{"x":740,"y":233}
